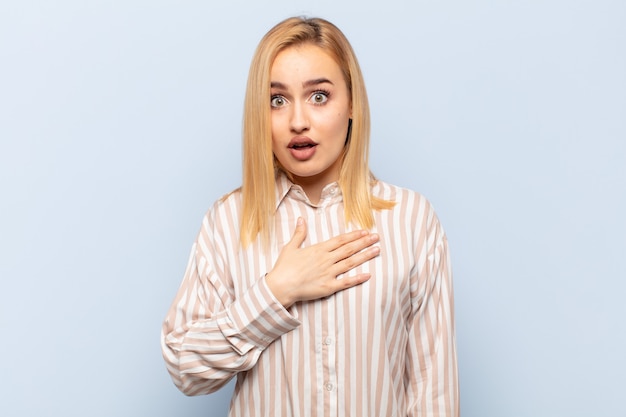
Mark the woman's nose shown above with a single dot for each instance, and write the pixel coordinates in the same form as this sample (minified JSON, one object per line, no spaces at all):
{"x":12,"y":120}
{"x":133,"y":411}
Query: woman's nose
{"x":299,"y":118}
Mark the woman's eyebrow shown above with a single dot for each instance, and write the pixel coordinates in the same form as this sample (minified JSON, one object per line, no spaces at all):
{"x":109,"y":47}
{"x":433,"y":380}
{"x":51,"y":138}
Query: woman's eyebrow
{"x":317,"y":81}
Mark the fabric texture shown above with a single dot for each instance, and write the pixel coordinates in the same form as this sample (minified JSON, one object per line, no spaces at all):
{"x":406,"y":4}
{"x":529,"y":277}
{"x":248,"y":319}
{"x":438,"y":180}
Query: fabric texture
{"x":383,"y":348}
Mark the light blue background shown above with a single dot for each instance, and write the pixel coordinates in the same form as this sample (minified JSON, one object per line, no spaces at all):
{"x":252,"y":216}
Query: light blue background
{"x":120,"y":125}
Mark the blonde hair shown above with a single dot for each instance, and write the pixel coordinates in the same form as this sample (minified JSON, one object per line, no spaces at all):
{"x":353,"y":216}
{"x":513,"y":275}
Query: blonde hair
{"x":259,"y":164}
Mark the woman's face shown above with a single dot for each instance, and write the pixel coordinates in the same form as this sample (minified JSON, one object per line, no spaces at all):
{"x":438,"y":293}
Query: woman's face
{"x":310,"y":114}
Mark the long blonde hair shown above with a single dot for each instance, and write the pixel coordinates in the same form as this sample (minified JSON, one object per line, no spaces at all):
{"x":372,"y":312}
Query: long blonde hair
{"x":259,"y":164}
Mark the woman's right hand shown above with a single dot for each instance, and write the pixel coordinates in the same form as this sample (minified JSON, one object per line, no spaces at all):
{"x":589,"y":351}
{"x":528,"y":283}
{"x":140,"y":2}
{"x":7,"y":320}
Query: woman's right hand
{"x":311,"y":273}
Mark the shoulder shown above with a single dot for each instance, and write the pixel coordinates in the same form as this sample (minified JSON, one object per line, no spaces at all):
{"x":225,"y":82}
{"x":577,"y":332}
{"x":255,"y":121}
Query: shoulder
{"x":225,"y":202}
{"x":224,"y":213}
{"x":410,"y":208}
{"x":403,"y":197}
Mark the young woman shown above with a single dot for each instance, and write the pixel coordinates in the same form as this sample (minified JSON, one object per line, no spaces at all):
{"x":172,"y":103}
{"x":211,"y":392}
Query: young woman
{"x":323,"y":290}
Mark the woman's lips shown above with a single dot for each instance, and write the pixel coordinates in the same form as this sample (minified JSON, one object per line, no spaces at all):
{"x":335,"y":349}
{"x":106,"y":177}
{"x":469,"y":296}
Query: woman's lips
{"x":302,"y":148}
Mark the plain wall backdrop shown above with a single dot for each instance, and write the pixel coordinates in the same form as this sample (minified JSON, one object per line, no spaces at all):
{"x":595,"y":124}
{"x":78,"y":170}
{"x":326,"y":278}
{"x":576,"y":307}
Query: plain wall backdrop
{"x":120,"y":125}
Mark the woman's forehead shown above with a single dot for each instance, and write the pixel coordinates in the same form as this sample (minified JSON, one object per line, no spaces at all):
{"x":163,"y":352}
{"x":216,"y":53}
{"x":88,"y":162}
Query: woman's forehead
{"x":306,"y":60}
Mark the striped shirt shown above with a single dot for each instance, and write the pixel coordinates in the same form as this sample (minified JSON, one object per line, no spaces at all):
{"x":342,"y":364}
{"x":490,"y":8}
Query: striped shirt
{"x":383,"y":348}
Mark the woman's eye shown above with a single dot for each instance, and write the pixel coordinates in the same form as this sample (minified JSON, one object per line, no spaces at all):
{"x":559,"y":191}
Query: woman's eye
{"x":319,"y":98}
{"x":277,"y":101}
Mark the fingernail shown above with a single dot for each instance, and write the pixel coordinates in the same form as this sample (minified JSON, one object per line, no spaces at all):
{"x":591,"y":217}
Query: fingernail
{"x":300,"y":221}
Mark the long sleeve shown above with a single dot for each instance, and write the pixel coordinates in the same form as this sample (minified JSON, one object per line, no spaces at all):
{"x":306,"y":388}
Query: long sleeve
{"x":209,"y":333}
{"x":431,"y":371}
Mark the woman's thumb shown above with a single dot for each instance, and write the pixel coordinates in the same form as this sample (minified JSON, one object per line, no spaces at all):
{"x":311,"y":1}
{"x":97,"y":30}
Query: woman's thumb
{"x":299,"y":234}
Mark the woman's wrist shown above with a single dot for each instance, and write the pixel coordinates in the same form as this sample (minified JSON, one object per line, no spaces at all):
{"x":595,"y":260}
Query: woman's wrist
{"x":278,"y":290}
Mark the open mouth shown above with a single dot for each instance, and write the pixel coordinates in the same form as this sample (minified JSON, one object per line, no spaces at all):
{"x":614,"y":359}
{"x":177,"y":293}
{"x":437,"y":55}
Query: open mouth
{"x":302,"y":145}
{"x":301,"y":142}
{"x":302,"y":148}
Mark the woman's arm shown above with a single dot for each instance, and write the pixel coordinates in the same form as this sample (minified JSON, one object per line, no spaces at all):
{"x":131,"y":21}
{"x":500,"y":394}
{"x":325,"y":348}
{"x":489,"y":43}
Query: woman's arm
{"x":431,"y":372}
{"x":208,"y":336}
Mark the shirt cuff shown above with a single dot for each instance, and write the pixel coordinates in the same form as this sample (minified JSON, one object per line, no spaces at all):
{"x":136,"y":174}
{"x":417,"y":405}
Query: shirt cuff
{"x":256,"y":319}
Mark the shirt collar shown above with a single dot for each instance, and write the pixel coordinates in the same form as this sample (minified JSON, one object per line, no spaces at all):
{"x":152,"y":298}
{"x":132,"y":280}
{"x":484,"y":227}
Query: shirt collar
{"x":285,"y":187}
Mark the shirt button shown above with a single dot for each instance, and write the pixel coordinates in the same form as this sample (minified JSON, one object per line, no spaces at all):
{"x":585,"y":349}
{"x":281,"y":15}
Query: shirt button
{"x":328,"y":341}
{"x":329,"y":387}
